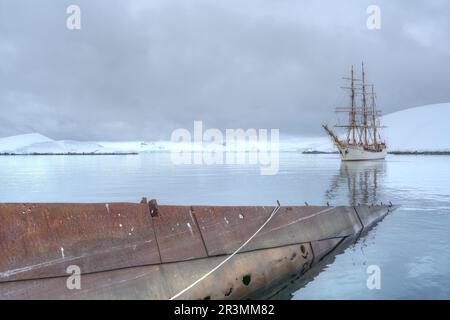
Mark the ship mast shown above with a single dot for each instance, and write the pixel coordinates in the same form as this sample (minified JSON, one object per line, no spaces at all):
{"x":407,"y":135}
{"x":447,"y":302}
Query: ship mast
{"x":374,"y":124}
{"x":353,"y":110}
{"x":363,"y":123}
{"x":364,"y":107}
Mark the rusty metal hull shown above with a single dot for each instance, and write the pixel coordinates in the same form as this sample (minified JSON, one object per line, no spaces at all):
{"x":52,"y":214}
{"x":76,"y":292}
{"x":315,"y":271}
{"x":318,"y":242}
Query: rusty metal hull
{"x":124,"y":251}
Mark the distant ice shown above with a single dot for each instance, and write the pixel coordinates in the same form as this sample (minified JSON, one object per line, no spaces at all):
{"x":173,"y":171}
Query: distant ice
{"x":12,"y":144}
{"x":424,"y":128}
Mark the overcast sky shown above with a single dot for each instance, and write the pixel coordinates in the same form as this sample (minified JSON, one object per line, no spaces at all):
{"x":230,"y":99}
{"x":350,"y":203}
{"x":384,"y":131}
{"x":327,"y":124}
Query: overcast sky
{"x":140,"y":69}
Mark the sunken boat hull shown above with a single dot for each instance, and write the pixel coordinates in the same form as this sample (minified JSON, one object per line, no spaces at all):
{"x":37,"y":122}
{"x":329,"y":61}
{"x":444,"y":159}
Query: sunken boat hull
{"x":137,"y":251}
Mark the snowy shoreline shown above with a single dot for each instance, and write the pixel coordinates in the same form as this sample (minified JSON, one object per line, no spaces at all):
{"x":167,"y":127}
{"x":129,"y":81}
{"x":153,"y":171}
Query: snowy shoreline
{"x":70,"y":154}
{"x":416,"y":131}
{"x":312,"y":152}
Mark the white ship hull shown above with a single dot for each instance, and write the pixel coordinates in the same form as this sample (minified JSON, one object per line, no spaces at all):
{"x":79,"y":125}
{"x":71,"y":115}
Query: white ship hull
{"x":358,"y":153}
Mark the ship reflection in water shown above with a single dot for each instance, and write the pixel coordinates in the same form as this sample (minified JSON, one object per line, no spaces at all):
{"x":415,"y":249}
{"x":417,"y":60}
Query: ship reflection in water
{"x":411,"y":267}
{"x":360,"y":180}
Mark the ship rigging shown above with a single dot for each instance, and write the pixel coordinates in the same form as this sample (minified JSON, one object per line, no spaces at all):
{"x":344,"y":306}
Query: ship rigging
{"x":362,"y":140}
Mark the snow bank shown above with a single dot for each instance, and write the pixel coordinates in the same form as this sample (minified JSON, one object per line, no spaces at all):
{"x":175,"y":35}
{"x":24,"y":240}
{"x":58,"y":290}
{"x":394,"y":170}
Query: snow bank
{"x":12,"y":144}
{"x":425,"y":128}
{"x":36,"y":143}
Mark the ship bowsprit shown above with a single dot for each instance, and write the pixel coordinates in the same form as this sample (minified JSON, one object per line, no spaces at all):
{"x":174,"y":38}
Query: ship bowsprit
{"x":151,"y":251}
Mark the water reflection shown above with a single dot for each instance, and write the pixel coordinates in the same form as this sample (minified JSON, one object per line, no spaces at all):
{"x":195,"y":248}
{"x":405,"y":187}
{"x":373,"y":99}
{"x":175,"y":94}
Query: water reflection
{"x":359,"y":181}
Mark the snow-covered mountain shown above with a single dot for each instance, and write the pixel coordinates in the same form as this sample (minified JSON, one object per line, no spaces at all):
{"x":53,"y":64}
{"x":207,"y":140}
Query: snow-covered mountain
{"x":35,"y":143}
{"x":424,"y":128}
{"x":14,"y":143}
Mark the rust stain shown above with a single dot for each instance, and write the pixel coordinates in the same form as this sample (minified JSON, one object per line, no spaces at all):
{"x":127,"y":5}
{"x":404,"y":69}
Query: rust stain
{"x":161,"y":248}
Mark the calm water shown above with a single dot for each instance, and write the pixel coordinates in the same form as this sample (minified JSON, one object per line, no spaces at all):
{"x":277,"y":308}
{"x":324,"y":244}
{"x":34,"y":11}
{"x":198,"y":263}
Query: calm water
{"x":411,"y":246}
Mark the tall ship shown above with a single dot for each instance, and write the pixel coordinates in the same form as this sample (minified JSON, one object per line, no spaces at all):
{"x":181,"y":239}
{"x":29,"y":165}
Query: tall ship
{"x":362,"y":139}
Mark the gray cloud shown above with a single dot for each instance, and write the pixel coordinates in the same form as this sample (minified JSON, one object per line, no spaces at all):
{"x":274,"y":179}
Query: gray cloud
{"x":140,"y":69}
